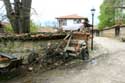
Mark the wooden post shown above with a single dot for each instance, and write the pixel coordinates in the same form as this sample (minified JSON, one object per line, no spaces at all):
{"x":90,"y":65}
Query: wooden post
{"x":117,"y":30}
{"x":97,"y":33}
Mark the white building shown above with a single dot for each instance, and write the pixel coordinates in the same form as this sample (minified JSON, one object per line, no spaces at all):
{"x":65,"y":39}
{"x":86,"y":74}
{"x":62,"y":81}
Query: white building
{"x":70,"y":20}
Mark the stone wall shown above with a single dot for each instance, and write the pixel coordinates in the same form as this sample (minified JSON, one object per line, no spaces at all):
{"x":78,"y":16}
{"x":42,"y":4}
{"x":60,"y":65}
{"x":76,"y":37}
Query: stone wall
{"x":111,"y":33}
{"x":122,"y":33}
{"x":108,"y":33}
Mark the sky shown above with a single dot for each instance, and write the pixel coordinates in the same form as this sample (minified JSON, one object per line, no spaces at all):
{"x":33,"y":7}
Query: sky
{"x":43,"y":10}
{"x":47,"y":10}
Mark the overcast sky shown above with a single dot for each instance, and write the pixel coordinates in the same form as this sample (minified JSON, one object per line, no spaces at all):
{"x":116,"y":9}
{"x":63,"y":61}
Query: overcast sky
{"x":44,"y":10}
{"x":49,"y":9}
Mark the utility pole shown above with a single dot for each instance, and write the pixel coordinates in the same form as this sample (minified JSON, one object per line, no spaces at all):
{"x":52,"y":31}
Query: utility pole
{"x":92,"y":11}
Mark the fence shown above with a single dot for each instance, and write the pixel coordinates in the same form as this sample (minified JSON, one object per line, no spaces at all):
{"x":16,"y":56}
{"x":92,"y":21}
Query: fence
{"x":114,"y":31}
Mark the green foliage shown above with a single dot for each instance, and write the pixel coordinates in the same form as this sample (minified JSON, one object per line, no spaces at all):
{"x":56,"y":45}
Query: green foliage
{"x":8,"y":28}
{"x":33,"y":27}
{"x":107,"y":13}
{"x":123,"y":18}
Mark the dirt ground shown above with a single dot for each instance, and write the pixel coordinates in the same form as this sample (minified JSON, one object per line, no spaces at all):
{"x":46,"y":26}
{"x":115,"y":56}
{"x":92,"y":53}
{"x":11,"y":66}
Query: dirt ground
{"x":108,"y":66}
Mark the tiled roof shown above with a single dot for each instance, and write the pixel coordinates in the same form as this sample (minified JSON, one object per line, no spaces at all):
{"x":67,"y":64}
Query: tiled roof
{"x":73,"y":16}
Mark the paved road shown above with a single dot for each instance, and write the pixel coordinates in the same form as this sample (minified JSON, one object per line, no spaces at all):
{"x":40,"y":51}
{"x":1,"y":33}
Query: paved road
{"x":109,"y":68}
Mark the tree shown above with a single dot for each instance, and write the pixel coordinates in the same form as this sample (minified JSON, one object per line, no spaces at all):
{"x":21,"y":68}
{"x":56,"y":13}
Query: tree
{"x":33,"y":27}
{"x":120,"y":12}
{"x":19,"y":14}
{"x":107,"y":13}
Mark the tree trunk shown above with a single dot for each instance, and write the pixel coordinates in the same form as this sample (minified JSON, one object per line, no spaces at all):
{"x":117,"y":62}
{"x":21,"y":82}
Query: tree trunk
{"x":19,"y":16}
{"x":9,"y":11}
{"x":26,"y":12}
{"x":18,"y":22}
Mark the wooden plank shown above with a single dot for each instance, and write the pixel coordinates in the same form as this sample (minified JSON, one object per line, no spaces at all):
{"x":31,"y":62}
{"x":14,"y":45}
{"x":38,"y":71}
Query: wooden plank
{"x":81,"y":36}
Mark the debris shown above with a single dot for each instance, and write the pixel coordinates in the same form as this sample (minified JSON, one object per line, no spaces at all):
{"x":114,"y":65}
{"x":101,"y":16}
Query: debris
{"x":8,"y":62}
{"x":30,"y":68}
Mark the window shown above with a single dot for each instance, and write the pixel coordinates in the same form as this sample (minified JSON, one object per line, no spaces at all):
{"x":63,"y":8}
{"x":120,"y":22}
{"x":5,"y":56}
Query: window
{"x":64,"y":22}
{"x":76,"y":21}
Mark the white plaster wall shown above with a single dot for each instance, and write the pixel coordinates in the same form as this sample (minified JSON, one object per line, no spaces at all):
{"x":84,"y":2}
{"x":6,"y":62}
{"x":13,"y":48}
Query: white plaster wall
{"x":70,"y":22}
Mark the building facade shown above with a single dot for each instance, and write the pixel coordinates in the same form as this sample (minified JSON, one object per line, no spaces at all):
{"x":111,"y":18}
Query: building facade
{"x":70,"y":20}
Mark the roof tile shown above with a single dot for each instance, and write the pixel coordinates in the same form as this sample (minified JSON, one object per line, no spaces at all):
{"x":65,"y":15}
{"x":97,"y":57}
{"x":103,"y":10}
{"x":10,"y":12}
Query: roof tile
{"x":73,"y":16}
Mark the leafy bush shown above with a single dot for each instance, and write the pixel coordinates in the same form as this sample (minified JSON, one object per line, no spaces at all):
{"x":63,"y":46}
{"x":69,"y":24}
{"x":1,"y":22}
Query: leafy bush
{"x":33,"y":27}
{"x":8,"y":28}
